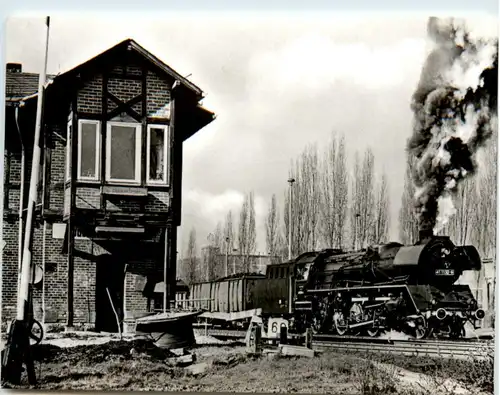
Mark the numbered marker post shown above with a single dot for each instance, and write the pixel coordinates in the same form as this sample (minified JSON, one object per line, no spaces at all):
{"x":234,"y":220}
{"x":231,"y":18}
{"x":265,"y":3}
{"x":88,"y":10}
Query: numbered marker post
{"x":283,"y":333}
{"x":254,"y":339}
{"x":275,"y":326}
{"x":309,"y":337}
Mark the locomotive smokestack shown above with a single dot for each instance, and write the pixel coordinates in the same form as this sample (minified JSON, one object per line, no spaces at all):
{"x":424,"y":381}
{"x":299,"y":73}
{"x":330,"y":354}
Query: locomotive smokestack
{"x":424,"y":235}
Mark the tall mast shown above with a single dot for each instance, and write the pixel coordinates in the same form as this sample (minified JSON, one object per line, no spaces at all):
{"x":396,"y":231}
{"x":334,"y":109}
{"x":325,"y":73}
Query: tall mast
{"x":26,"y":272}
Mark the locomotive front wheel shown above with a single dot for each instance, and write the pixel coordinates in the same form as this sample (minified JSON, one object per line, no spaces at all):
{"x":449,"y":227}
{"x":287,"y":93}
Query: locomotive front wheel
{"x":36,"y":333}
{"x":456,"y":331}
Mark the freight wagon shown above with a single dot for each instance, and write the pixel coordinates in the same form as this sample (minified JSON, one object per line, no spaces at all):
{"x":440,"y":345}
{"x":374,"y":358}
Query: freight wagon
{"x":237,"y":299}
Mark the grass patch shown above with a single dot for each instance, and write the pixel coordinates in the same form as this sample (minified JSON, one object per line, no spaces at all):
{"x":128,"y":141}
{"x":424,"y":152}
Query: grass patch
{"x":114,"y":367}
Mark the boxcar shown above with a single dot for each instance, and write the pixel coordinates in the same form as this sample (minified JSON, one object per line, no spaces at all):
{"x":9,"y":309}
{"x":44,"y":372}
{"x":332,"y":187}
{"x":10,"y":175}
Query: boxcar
{"x":226,"y":296}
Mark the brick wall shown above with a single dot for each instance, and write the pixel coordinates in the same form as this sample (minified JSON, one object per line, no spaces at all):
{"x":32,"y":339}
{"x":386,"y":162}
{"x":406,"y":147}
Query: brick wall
{"x":158,"y":95}
{"x":90,"y":96}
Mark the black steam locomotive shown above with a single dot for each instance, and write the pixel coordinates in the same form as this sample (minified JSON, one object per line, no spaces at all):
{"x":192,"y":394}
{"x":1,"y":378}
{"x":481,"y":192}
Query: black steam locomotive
{"x":388,"y":287}
{"x":409,"y":289}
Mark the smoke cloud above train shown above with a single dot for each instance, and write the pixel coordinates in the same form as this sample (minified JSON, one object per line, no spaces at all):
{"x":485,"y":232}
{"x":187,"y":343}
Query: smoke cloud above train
{"x":454,"y":105}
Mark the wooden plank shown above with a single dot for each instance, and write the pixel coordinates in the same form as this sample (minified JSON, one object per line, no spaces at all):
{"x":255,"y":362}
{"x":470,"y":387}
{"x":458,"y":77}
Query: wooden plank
{"x":118,"y":229}
{"x":124,"y":191}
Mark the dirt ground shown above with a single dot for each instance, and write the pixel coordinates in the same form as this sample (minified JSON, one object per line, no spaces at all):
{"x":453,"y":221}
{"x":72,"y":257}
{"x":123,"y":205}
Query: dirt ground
{"x":91,"y":363}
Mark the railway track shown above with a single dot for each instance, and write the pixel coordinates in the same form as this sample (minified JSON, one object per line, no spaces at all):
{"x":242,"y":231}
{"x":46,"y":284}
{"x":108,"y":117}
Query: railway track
{"x":432,"y":348}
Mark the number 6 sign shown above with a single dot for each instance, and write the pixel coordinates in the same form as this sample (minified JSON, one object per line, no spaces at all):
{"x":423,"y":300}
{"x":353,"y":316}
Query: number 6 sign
{"x":274,"y":327}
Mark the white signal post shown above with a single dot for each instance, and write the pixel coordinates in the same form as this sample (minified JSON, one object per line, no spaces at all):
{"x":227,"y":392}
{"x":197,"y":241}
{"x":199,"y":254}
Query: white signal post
{"x":26,"y":272}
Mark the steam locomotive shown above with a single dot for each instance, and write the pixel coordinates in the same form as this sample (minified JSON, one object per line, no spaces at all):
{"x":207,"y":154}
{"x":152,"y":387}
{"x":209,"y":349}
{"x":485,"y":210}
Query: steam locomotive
{"x":409,"y":289}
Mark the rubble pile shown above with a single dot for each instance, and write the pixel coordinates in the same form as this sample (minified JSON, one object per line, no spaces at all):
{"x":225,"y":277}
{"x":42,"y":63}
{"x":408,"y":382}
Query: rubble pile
{"x":96,"y":353}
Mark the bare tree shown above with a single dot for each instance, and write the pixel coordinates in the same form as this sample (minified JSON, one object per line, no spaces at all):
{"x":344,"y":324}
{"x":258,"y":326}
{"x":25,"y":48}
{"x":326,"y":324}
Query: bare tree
{"x":340,"y":192}
{"x":306,"y":201}
{"x":191,"y":266}
{"x":367,"y":201}
{"x":218,"y":240}
{"x":408,"y":223}
{"x":328,"y":201}
{"x":381,"y":225}
{"x":216,"y":244}
{"x":242,"y":230}
{"x":484,"y":232}
{"x":334,"y":189}
{"x":355,"y":211}
{"x":272,"y":229}
{"x":362,"y":217}
{"x":228,"y":233}
{"x":252,"y":231}
{"x":462,"y":222}
{"x":247,"y":230}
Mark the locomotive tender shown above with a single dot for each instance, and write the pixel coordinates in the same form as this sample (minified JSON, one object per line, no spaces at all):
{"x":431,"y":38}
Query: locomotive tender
{"x":386,"y":287}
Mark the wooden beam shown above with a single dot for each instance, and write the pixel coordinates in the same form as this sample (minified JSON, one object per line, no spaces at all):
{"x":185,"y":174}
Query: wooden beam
{"x":118,"y":229}
{"x":71,"y":224}
{"x":124,"y":191}
{"x":124,"y":107}
{"x":104,"y":114}
{"x":144,"y":111}
{"x":133,"y":77}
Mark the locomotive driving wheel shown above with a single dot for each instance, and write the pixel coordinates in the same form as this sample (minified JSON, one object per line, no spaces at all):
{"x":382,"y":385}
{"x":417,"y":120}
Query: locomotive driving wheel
{"x":340,"y":323}
{"x":420,"y":331}
{"x":373,"y":332}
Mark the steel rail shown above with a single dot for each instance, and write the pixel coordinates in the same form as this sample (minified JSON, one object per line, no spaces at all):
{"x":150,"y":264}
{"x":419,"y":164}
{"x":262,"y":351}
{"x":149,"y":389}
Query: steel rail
{"x":429,"y":348}
{"x":235,"y":333}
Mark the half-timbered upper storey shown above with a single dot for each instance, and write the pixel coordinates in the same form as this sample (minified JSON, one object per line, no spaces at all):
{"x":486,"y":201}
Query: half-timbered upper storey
{"x":117,"y":123}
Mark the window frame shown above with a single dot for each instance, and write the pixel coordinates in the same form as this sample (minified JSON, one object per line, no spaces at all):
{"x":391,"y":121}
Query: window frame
{"x":166,"y":158}
{"x":69,"y":139}
{"x":138,"y":156}
{"x":97,"y":164}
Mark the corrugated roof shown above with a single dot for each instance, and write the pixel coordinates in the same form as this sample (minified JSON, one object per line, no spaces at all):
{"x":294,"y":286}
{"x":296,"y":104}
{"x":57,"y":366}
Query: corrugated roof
{"x":21,"y":84}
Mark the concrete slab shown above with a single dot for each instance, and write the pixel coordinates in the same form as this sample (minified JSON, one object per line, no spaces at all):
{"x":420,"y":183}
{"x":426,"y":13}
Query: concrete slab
{"x":289,"y":350}
{"x":198,"y":368}
{"x":183,"y":360}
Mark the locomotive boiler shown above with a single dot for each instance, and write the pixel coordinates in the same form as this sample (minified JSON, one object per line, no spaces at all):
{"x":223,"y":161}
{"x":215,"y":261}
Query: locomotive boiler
{"x":387,"y":287}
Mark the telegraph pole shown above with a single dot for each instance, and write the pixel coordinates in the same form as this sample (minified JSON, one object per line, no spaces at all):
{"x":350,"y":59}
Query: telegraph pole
{"x":290,"y":181}
{"x":18,"y":346}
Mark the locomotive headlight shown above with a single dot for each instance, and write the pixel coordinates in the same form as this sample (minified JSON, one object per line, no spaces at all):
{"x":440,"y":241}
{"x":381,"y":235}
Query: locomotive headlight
{"x":434,"y":302}
{"x":441,"y":313}
{"x":479,"y":314}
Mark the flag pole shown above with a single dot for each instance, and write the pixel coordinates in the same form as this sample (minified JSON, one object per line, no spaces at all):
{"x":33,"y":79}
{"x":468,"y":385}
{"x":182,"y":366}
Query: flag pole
{"x":17,"y":350}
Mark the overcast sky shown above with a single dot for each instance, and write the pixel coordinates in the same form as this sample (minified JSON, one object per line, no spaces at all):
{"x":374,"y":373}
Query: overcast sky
{"x":276,"y":83}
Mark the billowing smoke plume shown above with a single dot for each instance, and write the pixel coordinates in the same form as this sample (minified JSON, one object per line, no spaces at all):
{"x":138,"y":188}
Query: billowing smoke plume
{"x":453,"y":107}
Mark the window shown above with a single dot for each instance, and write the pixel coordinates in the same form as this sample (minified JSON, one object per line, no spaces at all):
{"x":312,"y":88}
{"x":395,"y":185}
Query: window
{"x":88,"y":150}
{"x":156,"y":161}
{"x":123,"y":152}
{"x":68,"y":150}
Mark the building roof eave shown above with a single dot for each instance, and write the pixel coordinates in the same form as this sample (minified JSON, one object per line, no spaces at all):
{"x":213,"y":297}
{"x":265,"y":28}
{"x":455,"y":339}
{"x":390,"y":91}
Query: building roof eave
{"x":202,"y":117}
